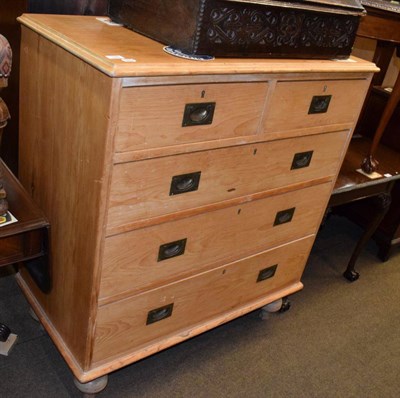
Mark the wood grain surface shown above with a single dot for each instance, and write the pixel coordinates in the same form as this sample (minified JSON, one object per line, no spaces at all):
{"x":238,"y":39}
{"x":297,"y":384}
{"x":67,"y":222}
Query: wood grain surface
{"x":141,"y":190}
{"x":212,"y":238}
{"x":121,"y":326}
{"x":92,"y":40}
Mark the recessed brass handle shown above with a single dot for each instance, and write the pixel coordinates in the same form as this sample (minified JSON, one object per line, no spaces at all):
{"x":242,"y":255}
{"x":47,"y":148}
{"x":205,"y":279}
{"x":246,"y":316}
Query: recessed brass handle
{"x":185,"y":183}
{"x":159,"y":314}
{"x":267,"y":273}
{"x":301,"y":160}
{"x":171,"y":249}
{"x":284,"y":216}
{"x":198,"y":114}
{"x":319,"y":104}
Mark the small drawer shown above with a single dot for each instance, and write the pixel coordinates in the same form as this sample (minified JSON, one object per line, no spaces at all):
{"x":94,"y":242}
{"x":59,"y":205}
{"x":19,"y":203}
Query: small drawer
{"x":126,"y":325}
{"x":153,"y":117}
{"x":155,"y":187}
{"x":132,"y":261}
{"x":299,"y":105}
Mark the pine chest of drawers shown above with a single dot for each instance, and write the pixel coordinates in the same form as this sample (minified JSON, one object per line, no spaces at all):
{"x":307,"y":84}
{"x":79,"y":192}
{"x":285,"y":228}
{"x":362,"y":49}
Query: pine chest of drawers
{"x":180,"y":194}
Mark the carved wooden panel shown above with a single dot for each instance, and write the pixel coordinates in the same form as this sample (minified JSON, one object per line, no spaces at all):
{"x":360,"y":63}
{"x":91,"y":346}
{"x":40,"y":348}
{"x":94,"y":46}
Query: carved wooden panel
{"x":268,"y":29}
{"x":261,"y":31}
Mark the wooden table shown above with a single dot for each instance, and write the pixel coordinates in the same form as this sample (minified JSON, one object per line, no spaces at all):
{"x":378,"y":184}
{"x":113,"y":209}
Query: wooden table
{"x":24,"y":240}
{"x":382,"y":23}
{"x":352,"y":186}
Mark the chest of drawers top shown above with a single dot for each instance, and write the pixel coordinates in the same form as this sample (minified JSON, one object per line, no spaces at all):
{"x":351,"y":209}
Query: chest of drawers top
{"x":119,"y":52}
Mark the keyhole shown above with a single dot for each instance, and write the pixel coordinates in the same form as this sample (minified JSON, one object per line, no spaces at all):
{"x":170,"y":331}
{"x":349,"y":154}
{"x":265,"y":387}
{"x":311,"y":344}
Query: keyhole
{"x":325,"y":88}
{"x":238,"y":212}
{"x":203,"y":94}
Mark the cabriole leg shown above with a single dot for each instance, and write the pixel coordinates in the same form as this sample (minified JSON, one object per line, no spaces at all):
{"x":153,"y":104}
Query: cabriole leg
{"x":381,"y":203}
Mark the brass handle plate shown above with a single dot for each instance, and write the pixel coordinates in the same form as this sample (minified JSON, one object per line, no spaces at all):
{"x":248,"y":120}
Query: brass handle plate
{"x":185,"y":183}
{"x":159,"y":314}
{"x":284,"y":216}
{"x":319,"y":104}
{"x":267,"y":273}
{"x":301,"y":160}
{"x":198,"y":114}
{"x":172,"y":249}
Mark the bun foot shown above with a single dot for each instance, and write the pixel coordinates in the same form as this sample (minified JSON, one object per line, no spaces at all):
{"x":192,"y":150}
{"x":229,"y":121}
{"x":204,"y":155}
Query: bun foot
{"x":92,"y":387}
{"x":280,"y":305}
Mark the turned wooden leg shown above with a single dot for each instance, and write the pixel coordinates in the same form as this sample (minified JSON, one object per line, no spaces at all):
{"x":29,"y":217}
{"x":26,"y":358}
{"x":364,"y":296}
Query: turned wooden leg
{"x":381,"y":204}
{"x":92,"y":387}
{"x":370,"y":164}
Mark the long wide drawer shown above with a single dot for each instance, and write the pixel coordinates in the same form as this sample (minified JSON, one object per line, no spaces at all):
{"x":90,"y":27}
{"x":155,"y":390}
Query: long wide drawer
{"x":128,"y":324}
{"x":151,"y":188}
{"x":160,"y":116}
{"x":304,"y":104}
{"x":160,"y":254}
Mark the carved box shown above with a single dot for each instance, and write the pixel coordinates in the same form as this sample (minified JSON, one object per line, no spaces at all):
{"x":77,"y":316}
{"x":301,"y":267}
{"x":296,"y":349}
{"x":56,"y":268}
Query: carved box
{"x":250,"y":28}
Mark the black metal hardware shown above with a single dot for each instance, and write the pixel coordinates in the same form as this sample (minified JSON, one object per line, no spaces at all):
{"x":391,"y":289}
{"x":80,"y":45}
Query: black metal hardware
{"x":267,"y":273}
{"x":185,"y":183}
{"x":301,"y":160}
{"x":319,"y":104}
{"x":284,"y":216}
{"x":198,"y":114}
{"x":172,"y":249}
{"x":159,"y":314}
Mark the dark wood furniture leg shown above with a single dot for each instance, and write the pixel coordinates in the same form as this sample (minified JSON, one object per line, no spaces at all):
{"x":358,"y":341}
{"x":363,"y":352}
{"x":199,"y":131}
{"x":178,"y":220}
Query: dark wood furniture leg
{"x":370,"y":164}
{"x":381,"y":204}
{"x":363,"y":199}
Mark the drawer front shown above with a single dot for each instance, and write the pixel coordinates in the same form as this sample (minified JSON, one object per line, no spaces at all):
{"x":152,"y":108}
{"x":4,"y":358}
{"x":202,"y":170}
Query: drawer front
{"x":128,"y":324}
{"x":160,"y":254}
{"x":160,"y":116}
{"x":156,"y":187}
{"x":298,"y":105}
